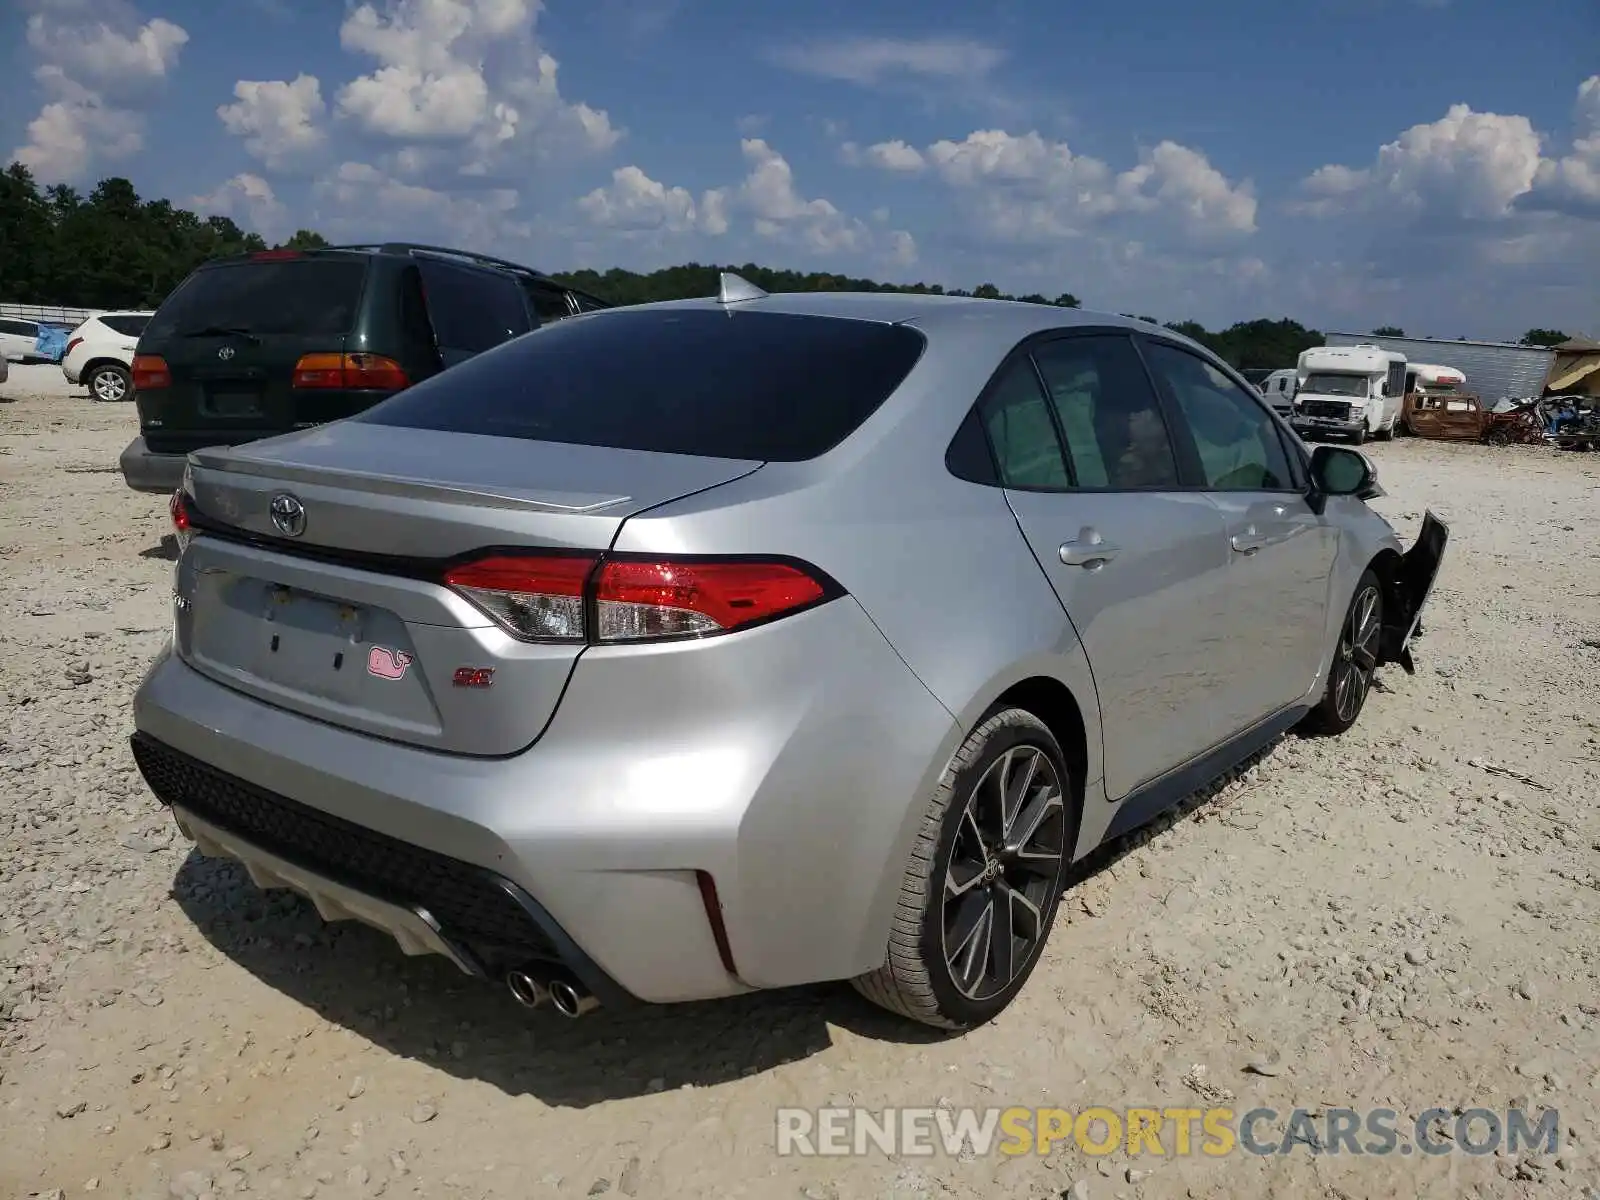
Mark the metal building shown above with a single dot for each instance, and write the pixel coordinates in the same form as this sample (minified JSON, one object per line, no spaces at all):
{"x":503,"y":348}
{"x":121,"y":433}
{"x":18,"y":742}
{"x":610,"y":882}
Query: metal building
{"x":1493,"y":369}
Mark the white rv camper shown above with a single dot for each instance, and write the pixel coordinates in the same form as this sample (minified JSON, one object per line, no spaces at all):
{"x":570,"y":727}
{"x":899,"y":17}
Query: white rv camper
{"x":1350,"y":391}
{"x":1429,"y":379}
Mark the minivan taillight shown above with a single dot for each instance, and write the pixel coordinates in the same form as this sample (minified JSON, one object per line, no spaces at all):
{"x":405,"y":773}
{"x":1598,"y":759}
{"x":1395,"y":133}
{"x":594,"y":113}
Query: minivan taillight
{"x":150,"y":373}
{"x":349,"y":371}
{"x":583,"y":598}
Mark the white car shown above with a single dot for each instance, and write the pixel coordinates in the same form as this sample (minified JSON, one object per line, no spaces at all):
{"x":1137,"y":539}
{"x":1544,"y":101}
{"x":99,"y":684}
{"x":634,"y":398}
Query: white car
{"x":17,"y":338}
{"x":100,"y":354}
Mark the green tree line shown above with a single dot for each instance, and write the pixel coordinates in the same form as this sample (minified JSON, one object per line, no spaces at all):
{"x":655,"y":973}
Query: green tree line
{"x":112,"y":249}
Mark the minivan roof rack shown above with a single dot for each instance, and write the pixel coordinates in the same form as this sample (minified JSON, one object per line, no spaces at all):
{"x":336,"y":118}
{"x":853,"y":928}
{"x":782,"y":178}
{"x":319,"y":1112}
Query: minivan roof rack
{"x":485,"y":260}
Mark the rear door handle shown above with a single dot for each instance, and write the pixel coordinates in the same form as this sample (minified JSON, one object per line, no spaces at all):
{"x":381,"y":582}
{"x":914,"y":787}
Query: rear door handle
{"x":1089,"y":550}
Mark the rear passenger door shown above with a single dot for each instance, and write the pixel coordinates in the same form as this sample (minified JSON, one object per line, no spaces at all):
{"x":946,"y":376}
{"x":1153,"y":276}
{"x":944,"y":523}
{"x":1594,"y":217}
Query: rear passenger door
{"x":472,"y":309}
{"x":1140,"y":564}
{"x":1282,"y":552}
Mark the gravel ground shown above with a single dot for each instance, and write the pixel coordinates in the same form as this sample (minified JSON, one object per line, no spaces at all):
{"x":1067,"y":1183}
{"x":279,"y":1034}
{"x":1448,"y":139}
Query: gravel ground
{"x":1405,"y":917}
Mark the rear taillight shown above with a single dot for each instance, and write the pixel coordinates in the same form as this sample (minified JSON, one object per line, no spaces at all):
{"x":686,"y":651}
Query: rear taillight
{"x":536,"y":599}
{"x":580,"y":598}
{"x":71,"y":346}
{"x":150,"y":373}
{"x":642,"y":600}
{"x":182,"y":523}
{"x":349,"y":371}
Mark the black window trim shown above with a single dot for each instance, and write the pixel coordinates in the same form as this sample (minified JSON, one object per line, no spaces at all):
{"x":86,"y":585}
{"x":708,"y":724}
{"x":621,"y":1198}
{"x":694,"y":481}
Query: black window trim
{"x":1190,"y":476}
{"x":1299,"y":466}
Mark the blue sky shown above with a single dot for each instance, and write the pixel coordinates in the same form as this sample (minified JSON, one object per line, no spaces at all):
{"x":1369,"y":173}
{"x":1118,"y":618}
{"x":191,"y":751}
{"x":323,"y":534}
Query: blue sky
{"x":1433,"y":164}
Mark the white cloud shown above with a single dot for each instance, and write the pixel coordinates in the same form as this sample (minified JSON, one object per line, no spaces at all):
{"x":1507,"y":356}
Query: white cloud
{"x":767,"y":200}
{"x":357,"y":198}
{"x":1182,"y":181}
{"x":1026,"y":187}
{"x":887,"y":156}
{"x":99,"y":67}
{"x":1571,"y":183}
{"x":869,"y":61}
{"x":634,"y":201}
{"x":1467,"y":164}
{"x":468,"y":74}
{"x":459,"y":88}
{"x":281,"y":123}
{"x":1484,"y":176}
{"x":251,"y":202}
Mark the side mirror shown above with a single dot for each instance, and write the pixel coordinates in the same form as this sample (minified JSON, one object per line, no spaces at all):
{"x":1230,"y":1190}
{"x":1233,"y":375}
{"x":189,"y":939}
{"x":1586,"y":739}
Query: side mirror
{"x":1342,"y":471}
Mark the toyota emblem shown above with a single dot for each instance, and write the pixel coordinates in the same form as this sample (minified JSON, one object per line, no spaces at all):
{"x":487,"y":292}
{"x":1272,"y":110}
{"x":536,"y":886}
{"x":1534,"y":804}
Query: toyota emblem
{"x":225,"y":353}
{"x":288,"y":514}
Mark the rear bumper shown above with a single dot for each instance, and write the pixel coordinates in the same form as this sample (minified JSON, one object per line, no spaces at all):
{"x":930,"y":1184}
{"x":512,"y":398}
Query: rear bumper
{"x":791,"y":764}
{"x":70,"y":370}
{"x":147,"y":471}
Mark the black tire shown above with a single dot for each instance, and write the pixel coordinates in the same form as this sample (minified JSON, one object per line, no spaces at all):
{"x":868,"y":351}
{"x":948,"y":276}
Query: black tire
{"x":945,"y":891}
{"x":110,"y":384}
{"x":1355,"y":662}
{"x":1359,"y":436}
{"x":1386,"y":432}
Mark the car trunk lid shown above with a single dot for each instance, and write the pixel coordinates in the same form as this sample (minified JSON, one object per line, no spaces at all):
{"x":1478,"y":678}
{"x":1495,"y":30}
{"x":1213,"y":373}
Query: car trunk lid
{"x":348,"y":620}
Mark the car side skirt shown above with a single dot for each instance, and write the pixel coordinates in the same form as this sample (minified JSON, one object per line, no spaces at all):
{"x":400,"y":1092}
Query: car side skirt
{"x":1150,"y":800}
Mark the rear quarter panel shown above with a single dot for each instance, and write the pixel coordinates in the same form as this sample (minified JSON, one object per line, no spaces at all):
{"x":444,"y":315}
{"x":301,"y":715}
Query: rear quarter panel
{"x":937,"y":563}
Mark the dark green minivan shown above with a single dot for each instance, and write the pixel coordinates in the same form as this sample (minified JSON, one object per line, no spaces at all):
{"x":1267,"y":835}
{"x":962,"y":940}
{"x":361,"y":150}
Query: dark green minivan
{"x":265,"y":343}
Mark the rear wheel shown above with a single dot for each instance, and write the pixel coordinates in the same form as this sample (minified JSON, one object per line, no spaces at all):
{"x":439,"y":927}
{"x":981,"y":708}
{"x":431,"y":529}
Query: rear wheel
{"x":110,"y":384}
{"x":1355,"y":661}
{"x":985,"y":878}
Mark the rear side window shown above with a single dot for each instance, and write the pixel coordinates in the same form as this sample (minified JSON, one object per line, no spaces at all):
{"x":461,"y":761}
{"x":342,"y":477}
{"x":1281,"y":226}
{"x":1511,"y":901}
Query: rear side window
{"x":1016,"y":417}
{"x":1116,"y":436}
{"x":472,"y":310}
{"x":126,"y":325}
{"x":723,"y":384}
{"x":549,"y":304}
{"x":315,"y":296}
{"x":19,"y":328}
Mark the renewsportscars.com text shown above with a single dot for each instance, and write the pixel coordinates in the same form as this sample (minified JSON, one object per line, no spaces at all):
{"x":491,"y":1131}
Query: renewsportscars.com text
{"x":1162,"y":1132}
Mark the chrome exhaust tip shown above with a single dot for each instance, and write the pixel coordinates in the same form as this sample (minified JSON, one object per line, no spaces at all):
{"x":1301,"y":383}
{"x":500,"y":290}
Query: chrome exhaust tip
{"x":526,"y":990}
{"x":571,"y":1000}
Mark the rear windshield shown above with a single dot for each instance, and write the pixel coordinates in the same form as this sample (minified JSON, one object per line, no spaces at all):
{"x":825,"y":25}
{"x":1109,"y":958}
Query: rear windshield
{"x":755,"y":385}
{"x":299,"y":296}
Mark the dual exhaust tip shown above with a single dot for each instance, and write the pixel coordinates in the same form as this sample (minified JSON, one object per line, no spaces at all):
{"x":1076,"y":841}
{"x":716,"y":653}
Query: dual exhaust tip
{"x":567,"y":996}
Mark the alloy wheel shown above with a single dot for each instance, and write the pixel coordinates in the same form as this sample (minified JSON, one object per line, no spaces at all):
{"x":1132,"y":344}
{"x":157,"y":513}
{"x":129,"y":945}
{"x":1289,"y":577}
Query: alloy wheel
{"x":1005,"y":859}
{"x":109,"y":386}
{"x":1357,"y":659}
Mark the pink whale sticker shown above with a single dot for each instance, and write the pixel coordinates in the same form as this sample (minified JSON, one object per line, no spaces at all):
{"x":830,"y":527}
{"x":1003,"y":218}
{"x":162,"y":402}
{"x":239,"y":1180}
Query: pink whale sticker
{"x":388,"y":664}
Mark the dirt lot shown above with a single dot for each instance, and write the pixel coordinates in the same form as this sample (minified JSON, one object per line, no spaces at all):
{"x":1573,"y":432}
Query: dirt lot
{"x":1386,"y":920}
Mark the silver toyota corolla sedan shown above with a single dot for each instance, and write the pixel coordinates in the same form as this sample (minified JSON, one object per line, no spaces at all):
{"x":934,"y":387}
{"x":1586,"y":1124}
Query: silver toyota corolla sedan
{"x":680,"y":650}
